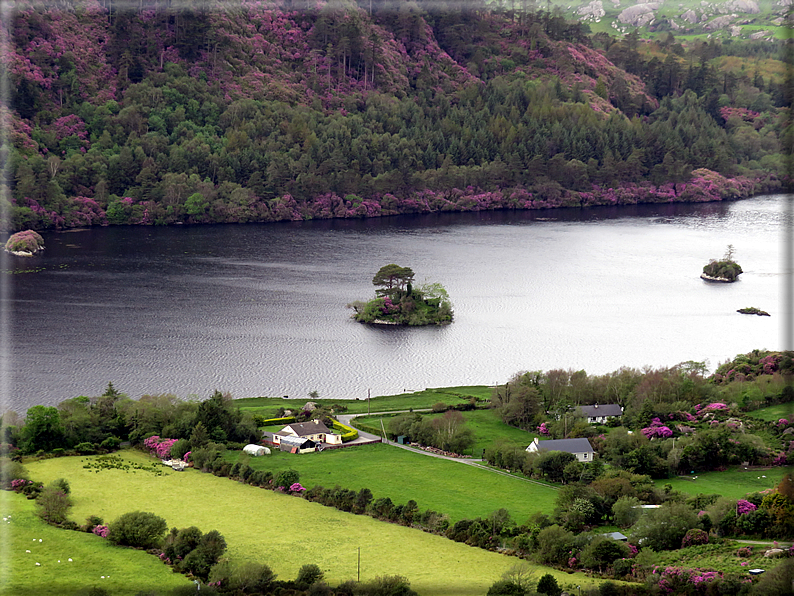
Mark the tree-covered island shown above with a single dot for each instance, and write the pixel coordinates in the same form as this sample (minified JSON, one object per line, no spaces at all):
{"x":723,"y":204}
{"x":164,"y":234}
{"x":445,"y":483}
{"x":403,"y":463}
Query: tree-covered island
{"x":398,"y":302}
{"x":725,"y":270}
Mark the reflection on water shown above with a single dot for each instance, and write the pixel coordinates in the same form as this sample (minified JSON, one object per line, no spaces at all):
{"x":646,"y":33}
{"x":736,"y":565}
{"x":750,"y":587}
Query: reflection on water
{"x":260,"y":309}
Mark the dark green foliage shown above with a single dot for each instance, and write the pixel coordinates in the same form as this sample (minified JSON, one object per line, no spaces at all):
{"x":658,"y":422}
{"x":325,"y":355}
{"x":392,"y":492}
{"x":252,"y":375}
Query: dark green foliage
{"x":138,"y":529}
{"x":244,"y":578}
{"x":504,"y":587}
{"x":286,"y":478}
{"x":308,"y":575}
{"x":62,"y":485}
{"x":548,"y":585}
{"x":207,"y":552}
{"x":43,"y":430}
{"x":602,"y":551}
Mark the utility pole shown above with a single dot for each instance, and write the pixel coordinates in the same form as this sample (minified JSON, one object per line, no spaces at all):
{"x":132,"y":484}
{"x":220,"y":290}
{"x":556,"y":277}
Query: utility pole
{"x":368,"y":396}
{"x":358,"y":575}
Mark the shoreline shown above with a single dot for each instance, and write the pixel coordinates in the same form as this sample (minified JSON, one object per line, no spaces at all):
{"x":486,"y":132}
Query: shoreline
{"x":705,"y":186}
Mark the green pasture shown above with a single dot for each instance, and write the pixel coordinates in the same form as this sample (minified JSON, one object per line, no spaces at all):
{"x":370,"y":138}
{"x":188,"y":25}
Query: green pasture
{"x":719,"y":556}
{"x":126,"y":571}
{"x":486,"y":425}
{"x":287,"y":532}
{"x":459,"y":490}
{"x":734,"y":483}
{"x":774,"y":413}
{"x":267,"y":406}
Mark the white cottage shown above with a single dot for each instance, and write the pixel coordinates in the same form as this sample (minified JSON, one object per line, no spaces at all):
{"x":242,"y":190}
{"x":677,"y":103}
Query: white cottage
{"x":581,"y":448}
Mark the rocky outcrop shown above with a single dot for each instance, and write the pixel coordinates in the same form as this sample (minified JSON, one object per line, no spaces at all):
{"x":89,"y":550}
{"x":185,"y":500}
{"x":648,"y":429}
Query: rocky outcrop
{"x":639,"y":15}
{"x":594,"y":10}
{"x":719,"y":22}
{"x":690,"y":16}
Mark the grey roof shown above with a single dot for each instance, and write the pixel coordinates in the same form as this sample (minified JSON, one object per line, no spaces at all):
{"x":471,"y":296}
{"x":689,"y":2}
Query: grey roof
{"x":569,"y":445}
{"x":616,"y":536}
{"x":601,"y":410}
{"x":295,"y":441}
{"x":303,"y":429}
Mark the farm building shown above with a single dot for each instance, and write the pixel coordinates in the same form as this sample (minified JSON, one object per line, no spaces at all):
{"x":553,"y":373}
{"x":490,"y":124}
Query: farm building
{"x":581,"y":448}
{"x":599,"y":414}
{"x":294,"y":444}
{"x":256,"y":450}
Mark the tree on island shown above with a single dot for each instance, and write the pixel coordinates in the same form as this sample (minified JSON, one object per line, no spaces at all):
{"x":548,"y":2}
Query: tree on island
{"x":398,"y":302}
{"x":392,"y":278}
{"x":725,"y":269}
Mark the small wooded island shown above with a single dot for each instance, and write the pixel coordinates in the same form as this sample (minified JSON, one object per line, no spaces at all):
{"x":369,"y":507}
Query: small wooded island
{"x":724,"y":270}
{"x":398,"y":302}
{"x":25,"y":243}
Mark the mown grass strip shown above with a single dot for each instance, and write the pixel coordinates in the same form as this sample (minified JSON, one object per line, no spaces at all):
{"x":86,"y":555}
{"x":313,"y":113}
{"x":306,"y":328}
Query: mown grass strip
{"x":287,"y":532}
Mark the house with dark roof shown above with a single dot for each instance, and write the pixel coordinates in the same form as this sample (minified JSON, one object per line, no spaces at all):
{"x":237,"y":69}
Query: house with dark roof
{"x":600,"y":413}
{"x":581,"y":448}
{"x":302,"y":437}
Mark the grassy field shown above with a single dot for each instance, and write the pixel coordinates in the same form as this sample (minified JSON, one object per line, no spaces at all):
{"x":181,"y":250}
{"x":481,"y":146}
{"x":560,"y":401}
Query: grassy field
{"x":453,"y":488}
{"x":286,"y":532}
{"x":486,"y":425}
{"x":774,"y":413}
{"x":125,"y":571}
{"x":733,"y":483}
{"x":719,"y":556}
{"x":267,"y":406}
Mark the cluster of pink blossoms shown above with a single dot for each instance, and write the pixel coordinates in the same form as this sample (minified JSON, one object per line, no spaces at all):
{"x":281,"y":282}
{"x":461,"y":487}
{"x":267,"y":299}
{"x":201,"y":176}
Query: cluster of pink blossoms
{"x":657,"y":429}
{"x":159,"y":447}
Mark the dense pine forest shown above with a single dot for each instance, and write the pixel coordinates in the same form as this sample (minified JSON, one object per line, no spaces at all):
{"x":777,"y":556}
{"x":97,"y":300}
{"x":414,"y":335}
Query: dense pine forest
{"x":265,"y":111}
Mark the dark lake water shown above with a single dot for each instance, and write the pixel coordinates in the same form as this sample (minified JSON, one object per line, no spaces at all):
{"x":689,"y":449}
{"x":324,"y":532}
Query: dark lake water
{"x":260,"y":309}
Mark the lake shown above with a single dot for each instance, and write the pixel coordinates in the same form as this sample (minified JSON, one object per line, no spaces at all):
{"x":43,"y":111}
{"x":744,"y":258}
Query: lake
{"x":260,"y":309}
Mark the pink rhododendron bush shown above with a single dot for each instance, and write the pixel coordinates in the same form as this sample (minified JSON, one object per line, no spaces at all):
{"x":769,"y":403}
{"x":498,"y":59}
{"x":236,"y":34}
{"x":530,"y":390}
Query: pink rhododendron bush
{"x":159,"y":447}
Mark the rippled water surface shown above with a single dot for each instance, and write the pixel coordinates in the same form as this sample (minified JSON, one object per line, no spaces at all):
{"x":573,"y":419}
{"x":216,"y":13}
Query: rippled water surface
{"x":261,"y":309}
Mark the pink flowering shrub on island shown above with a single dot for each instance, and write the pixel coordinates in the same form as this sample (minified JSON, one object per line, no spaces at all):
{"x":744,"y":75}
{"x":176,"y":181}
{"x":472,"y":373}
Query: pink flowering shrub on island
{"x":296,"y":488}
{"x":782,"y":422}
{"x":102,"y":531}
{"x":543,"y":429}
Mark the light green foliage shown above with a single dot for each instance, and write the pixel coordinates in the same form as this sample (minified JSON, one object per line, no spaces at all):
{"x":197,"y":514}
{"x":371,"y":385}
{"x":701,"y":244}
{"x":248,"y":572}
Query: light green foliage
{"x":664,"y":528}
{"x":626,"y":511}
{"x":54,"y":503}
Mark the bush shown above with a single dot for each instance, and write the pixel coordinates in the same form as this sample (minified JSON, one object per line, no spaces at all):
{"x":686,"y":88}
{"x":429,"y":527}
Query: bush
{"x":62,"y":484}
{"x":201,"y":559}
{"x":548,"y":585}
{"x":85,"y":448}
{"x":694,"y":537}
{"x":91,"y":522}
{"x":286,"y":478}
{"x":245,"y":578}
{"x":11,"y":470}
{"x":109,"y":444}
{"x":138,"y":529}
{"x":622,"y":567}
{"x":309,"y":575}
{"x":54,"y":504}
{"x":504,"y":587}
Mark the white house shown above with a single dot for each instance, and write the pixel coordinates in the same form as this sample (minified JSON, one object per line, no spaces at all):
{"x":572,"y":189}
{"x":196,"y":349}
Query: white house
{"x":581,"y":448}
{"x":314,"y":431}
{"x":599,"y":414}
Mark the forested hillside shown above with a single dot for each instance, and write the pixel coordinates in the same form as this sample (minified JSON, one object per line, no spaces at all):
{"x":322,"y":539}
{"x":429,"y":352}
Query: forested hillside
{"x":260,"y":111}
